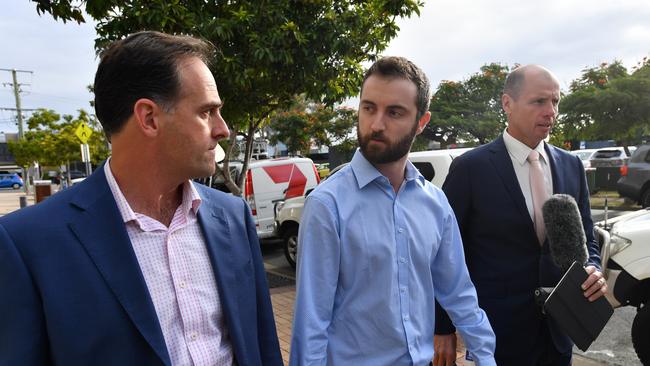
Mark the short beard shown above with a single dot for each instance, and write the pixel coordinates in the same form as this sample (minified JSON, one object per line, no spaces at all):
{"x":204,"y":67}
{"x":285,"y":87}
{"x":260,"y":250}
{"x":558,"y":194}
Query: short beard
{"x":393,"y":152}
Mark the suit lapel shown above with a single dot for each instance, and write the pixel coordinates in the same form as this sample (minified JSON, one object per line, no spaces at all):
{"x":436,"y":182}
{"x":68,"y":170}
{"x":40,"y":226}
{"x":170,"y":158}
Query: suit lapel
{"x":503,"y":164}
{"x":216,"y":231}
{"x":102,"y":233}
{"x":558,"y":179}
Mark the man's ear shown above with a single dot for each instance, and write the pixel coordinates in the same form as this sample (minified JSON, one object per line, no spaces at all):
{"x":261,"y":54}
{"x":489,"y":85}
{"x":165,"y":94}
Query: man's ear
{"x":146,"y":113}
{"x":422,"y":123}
{"x":506,"y":103}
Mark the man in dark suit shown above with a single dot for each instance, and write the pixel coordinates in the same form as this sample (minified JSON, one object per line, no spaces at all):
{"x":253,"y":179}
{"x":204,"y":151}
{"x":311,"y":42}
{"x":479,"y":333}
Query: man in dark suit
{"x":137,"y":265}
{"x":493,"y":197}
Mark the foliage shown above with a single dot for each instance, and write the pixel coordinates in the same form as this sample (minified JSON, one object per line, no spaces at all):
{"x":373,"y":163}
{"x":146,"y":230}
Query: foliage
{"x":608,"y":102}
{"x":51,"y":141}
{"x":469,"y":110}
{"x":267,"y":51}
{"x":311,"y":123}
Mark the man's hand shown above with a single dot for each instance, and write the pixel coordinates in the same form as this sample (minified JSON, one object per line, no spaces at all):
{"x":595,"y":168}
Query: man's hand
{"x":444,"y":347}
{"x":595,"y":286}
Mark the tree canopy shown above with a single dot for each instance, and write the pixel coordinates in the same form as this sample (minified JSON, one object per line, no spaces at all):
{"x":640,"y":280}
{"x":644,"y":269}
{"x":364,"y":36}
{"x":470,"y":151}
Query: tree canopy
{"x":50,"y":140}
{"x":267,"y":51}
{"x":468,"y":110}
{"x":308,"y":123}
{"x":608,"y":102}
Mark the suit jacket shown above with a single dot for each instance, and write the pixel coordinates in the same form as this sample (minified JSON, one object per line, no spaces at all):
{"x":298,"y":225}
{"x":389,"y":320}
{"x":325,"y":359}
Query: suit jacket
{"x":72,"y":292}
{"x":502,"y":252}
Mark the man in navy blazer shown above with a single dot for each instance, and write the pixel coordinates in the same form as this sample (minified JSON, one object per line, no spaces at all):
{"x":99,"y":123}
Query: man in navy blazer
{"x":489,"y":191}
{"x":79,"y":282}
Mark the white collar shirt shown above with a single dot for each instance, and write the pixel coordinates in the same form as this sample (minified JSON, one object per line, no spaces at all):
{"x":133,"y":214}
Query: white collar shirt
{"x":518,"y":152}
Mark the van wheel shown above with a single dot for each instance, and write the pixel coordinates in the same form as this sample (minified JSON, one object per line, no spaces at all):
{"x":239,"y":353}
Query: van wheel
{"x":645,"y":198}
{"x":291,"y":245}
{"x":640,"y":334}
{"x":15,"y":186}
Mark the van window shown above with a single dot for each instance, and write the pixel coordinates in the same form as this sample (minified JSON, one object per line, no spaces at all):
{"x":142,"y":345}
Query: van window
{"x":426,"y":169}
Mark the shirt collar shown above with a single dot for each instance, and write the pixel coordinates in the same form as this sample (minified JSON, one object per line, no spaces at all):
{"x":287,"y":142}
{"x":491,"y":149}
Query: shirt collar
{"x":520,"y":151}
{"x":191,"y":199}
{"x":365,"y":172}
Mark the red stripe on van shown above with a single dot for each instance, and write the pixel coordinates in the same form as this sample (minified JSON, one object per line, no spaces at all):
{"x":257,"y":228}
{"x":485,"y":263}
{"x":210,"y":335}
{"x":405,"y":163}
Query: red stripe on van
{"x":288,"y":173}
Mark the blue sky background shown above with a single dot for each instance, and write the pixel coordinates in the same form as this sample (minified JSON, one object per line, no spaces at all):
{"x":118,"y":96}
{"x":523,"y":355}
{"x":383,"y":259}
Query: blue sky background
{"x":450,"y":40}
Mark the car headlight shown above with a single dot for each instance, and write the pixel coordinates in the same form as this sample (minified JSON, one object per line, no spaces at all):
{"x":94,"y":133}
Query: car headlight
{"x":618,"y":243}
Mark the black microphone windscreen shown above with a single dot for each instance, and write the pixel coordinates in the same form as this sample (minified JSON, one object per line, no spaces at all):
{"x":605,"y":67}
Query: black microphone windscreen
{"x":564,"y":231}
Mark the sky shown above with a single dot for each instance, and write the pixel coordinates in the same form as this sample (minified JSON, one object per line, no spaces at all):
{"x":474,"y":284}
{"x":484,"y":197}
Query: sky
{"x":450,"y":40}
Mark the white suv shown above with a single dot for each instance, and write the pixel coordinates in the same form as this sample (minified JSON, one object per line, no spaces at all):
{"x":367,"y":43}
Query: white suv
{"x":433,"y":165}
{"x":625,"y":255}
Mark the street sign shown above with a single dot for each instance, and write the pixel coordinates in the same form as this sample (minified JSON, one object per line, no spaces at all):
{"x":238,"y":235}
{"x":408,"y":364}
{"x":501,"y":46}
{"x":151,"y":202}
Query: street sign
{"x":83,"y":132}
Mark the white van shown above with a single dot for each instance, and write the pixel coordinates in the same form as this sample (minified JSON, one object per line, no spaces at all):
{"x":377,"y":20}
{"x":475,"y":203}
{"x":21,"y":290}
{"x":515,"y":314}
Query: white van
{"x":273,"y":180}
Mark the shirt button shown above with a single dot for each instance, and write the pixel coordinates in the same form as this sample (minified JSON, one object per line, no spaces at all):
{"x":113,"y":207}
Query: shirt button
{"x":406,"y":318}
{"x":194,"y":336}
{"x":402,"y":260}
{"x":400,"y":230}
{"x":181,"y":284}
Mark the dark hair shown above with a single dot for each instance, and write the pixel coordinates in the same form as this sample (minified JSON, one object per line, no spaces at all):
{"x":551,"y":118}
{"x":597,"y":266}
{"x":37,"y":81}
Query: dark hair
{"x":514,"y":82}
{"x":400,"y":67}
{"x":143,"y":65}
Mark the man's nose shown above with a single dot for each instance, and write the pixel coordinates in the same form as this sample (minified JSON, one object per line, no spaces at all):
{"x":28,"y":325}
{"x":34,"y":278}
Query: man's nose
{"x":220,"y":129}
{"x":551,"y":109}
{"x":378,"y":123}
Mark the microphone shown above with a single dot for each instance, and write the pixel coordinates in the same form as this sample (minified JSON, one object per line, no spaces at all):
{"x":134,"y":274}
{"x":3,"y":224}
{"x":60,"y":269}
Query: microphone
{"x":564,"y":230}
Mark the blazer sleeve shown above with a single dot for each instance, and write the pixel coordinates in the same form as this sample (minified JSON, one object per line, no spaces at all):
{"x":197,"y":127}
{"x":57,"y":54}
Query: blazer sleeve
{"x":458,"y":191}
{"x":266,"y":332}
{"x":23,"y":337}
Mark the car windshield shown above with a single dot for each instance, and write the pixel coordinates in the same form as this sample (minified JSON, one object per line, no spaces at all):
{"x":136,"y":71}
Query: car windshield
{"x":583,"y":155}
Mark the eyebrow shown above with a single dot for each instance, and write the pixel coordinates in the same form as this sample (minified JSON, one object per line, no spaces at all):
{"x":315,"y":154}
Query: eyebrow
{"x":391,"y":106}
{"x":211,"y":105}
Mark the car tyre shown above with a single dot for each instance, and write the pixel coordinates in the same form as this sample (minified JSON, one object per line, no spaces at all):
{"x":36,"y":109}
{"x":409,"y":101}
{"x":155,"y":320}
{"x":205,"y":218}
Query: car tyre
{"x":291,"y":245}
{"x":640,"y":334}
{"x":645,"y":198}
{"x":15,"y":186}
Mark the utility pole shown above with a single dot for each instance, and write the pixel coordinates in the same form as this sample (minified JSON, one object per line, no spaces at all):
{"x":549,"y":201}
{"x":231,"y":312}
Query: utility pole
{"x":19,"y":114}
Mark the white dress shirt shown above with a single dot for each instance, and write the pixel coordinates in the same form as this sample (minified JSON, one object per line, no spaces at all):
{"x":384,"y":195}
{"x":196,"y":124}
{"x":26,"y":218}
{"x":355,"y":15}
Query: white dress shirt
{"x":518,"y":152}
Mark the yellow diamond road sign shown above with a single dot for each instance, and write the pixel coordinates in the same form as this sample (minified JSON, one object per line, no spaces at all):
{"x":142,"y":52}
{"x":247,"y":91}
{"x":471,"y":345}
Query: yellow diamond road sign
{"x":83,"y":132}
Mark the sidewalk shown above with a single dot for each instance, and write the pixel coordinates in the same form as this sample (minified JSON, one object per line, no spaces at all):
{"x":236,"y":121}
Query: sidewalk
{"x":281,"y":297}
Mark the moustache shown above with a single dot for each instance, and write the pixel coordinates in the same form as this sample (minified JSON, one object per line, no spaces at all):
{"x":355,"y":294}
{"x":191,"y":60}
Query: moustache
{"x":378,"y":136}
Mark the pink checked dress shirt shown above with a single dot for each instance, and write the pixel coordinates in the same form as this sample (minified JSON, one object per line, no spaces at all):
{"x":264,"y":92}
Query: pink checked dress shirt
{"x":177,"y":270}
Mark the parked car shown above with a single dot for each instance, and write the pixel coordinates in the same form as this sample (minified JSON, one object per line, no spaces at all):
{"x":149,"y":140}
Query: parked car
{"x":433,"y":165}
{"x":585,"y":156}
{"x":75,"y":175}
{"x":610,"y":157}
{"x":10,"y":180}
{"x":269,"y":181}
{"x":604,"y":157}
{"x":625,"y":257}
{"x":635,"y":177}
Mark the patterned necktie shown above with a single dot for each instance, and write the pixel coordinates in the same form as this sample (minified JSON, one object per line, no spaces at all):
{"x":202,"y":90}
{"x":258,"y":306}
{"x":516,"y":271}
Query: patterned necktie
{"x":537,"y":188}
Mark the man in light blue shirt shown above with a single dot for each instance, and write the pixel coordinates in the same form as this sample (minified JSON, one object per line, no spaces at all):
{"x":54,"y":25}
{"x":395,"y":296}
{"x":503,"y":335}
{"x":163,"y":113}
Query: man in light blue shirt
{"x":377,"y":242}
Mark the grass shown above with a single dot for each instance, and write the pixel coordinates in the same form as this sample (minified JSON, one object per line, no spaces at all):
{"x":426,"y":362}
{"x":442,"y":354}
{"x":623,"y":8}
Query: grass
{"x":614,"y":201}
